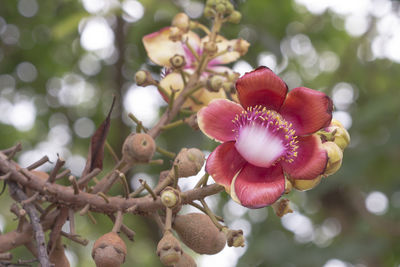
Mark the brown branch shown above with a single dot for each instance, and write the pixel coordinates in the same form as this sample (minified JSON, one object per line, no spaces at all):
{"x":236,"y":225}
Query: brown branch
{"x":38,"y":163}
{"x":52,"y":177}
{"x":35,"y":222}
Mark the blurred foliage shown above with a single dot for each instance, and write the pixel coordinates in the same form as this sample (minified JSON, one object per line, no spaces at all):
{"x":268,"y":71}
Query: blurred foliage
{"x":50,"y":40}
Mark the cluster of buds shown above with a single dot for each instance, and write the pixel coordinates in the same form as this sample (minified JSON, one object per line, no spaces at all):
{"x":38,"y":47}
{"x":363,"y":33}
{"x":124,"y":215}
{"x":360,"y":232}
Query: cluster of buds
{"x":335,"y":139}
{"x":222,"y":8}
{"x":183,"y":54}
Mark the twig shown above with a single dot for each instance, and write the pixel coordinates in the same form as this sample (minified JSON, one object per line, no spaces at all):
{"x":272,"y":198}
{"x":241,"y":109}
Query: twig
{"x":37,"y":227}
{"x":194,"y":204}
{"x":38,"y":163}
{"x":148,"y":188}
{"x":137,"y":192}
{"x":85,"y":179}
{"x":71,"y":219}
{"x":52,"y":177}
{"x":165,"y":152}
{"x":30,"y":199}
{"x":202,"y":181}
{"x":124,"y":184}
{"x":63,"y":174}
{"x":75,"y":238}
{"x":118,"y":222}
{"x":211,"y":214}
{"x":112,"y":152}
{"x":72,"y":179}
{"x":12,"y":151}
{"x":137,"y":121}
{"x":130,"y":234}
{"x":6,"y":256}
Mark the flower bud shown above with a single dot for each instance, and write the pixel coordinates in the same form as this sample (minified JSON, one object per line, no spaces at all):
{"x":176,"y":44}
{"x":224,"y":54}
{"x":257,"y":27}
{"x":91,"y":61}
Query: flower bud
{"x":199,"y":233}
{"x":235,"y":17}
{"x":233,"y":76}
{"x":170,"y":197}
{"x":189,"y":162}
{"x":177,"y":61}
{"x":342,"y":138}
{"x":228,"y":86}
{"x":169,"y":249}
{"x":138,"y":147}
{"x":282,"y":207}
{"x":192,"y":122}
{"x":175,"y":34}
{"x":304,"y":185}
{"x":109,"y":250}
{"x":143,"y":78}
{"x":234,"y":238}
{"x":241,"y":46}
{"x":181,"y":21}
{"x":186,"y":261}
{"x":335,"y":156}
{"x":215,"y":83}
{"x":220,"y":8}
{"x":210,"y":47}
{"x":208,"y":12}
{"x":336,"y":133}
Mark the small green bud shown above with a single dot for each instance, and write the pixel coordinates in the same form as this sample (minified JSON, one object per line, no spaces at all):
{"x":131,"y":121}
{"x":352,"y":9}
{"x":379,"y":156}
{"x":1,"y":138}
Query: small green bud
{"x":215,"y":83}
{"x":177,"y":61}
{"x":235,"y":17}
{"x":335,"y":156}
{"x":181,"y":21}
{"x":220,"y":8}
{"x":208,"y":12}
{"x":304,"y":185}
{"x":170,"y":197}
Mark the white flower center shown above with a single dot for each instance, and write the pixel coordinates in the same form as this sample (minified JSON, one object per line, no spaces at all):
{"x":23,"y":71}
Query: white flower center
{"x":258,"y":145}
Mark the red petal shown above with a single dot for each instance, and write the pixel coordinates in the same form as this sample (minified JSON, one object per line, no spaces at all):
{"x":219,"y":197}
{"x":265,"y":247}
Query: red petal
{"x":311,"y":159}
{"x":309,"y":110}
{"x":261,"y":87}
{"x":215,"y":120}
{"x":257,"y":187}
{"x":224,"y":163}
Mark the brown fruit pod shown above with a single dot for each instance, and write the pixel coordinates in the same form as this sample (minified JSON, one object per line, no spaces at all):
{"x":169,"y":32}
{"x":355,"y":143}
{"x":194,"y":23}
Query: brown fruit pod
{"x":169,"y":249}
{"x":199,"y":233}
{"x":186,"y":261}
{"x":138,"y":147}
{"x":109,"y":250}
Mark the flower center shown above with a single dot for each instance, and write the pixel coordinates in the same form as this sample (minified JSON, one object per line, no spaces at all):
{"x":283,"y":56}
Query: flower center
{"x":263,"y":137}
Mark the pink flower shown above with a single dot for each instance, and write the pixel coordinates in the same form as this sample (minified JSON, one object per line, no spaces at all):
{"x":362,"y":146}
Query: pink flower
{"x":160,"y":49}
{"x":269,"y":135}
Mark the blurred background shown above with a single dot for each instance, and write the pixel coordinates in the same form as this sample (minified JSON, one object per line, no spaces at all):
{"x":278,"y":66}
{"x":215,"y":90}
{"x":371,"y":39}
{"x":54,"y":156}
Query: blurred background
{"x":61,"y":61}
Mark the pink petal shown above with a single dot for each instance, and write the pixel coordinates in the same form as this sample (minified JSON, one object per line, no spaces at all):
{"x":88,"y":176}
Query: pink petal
{"x":257,"y":187}
{"x":223,"y":45}
{"x":261,"y":87}
{"x":224,"y":163}
{"x":309,"y":110}
{"x":311,"y":159}
{"x":160,"y":48}
{"x":215,"y":120}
